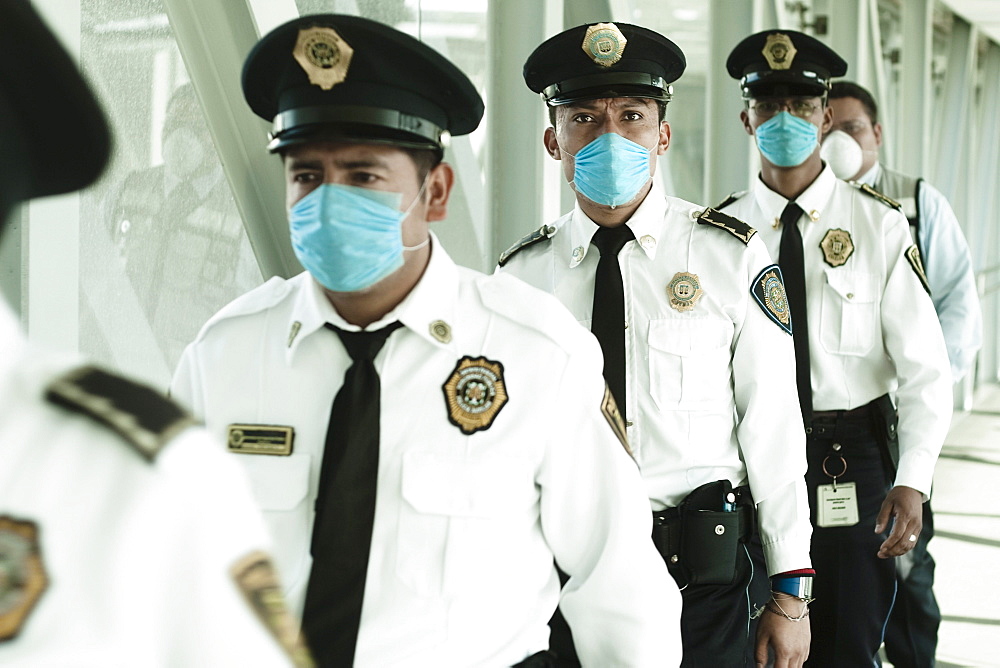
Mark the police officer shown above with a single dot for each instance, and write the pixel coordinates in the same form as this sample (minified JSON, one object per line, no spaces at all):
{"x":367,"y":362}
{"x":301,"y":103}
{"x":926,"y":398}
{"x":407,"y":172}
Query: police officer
{"x":696,"y":300}
{"x":426,"y":441}
{"x":126,"y":538}
{"x":864,"y":328}
{"x":911,"y":635}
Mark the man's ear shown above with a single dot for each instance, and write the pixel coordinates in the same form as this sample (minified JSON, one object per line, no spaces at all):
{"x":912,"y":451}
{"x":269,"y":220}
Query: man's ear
{"x":664,"y":143}
{"x":827,"y":124}
{"x":745,"y":118}
{"x":551,"y":143}
{"x":877,"y":130}
{"x":439,"y":184}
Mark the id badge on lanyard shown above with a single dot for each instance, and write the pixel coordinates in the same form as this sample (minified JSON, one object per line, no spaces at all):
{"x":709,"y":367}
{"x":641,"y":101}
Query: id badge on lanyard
{"x":836,"y":504}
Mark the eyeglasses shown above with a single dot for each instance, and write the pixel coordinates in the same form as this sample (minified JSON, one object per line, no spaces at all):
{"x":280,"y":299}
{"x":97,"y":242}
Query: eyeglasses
{"x":800,"y":108}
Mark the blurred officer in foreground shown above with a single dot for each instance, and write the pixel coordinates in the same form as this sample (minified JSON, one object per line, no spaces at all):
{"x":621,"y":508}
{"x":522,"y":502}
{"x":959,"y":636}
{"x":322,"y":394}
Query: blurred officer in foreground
{"x":864,"y":329}
{"x":690,"y":313}
{"x":425,"y":441}
{"x":126,"y":538}
{"x":852,"y":147}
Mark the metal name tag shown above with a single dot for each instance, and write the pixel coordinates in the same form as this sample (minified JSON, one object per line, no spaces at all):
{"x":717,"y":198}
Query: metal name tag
{"x":260,"y":439}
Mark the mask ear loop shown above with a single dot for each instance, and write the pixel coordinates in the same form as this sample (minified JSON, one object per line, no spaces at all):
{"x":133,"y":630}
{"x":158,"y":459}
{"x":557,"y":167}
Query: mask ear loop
{"x":409,"y":209}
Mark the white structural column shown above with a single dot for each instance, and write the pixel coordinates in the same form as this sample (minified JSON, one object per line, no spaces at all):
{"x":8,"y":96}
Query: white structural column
{"x":214,"y":39}
{"x":514,"y":171}
{"x":727,"y":146}
{"x":915,"y":86}
{"x":953,"y":132}
{"x":52,"y":307}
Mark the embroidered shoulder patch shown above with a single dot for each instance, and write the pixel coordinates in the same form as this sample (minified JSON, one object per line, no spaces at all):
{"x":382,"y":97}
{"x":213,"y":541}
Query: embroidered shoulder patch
{"x":475,"y":393}
{"x":542,"y":233}
{"x":614,"y":417}
{"x":139,"y":414}
{"x":258,"y":582}
{"x":871,"y":192}
{"x":22,"y":574}
{"x":734,"y":226}
{"x":913,"y":257}
{"x":768,"y":291}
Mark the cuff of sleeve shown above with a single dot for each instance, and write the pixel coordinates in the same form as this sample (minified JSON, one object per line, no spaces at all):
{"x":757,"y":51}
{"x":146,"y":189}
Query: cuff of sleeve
{"x":916,"y":470}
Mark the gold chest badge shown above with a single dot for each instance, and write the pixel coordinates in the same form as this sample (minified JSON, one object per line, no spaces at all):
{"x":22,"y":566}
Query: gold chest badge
{"x":323,"y":55}
{"x":604,"y":43}
{"x":475,"y":393}
{"x":779,"y":51}
{"x":684,"y":291}
{"x":837,"y":246}
{"x":22,"y":574}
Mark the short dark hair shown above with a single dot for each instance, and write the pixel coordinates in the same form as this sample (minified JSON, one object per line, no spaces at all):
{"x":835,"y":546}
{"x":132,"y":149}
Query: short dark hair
{"x":662,"y":106}
{"x":850,"y":89}
{"x":425,"y":159}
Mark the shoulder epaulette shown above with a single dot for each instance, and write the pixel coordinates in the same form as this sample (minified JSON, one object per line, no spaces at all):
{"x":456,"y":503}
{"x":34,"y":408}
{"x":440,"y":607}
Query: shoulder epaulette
{"x":543,"y":232}
{"x":142,"y":416}
{"x":734,"y":226}
{"x":868,"y":190}
{"x":729,"y":200}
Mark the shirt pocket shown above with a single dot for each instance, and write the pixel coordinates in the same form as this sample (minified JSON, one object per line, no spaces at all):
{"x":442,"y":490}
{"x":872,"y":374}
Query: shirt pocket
{"x":849,"y":316}
{"x":281,"y":487}
{"x":689,"y":361}
{"x":461,"y":520}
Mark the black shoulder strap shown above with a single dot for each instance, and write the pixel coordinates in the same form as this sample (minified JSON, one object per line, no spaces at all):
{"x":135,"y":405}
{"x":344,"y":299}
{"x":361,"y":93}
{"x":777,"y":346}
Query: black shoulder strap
{"x":734,"y":226}
{"x":729,"y":200}
{"x":543,"y":232}
{"x":142,"y":416}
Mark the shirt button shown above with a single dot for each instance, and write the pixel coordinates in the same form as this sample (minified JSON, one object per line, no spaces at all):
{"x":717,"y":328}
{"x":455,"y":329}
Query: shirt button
{"x":695,"y":214}
{"x":647,"y":241}
{"x":578,"y":252}
{"x":850,"y":295}
{"x":626,"y":324}
{"x":814,"y":215}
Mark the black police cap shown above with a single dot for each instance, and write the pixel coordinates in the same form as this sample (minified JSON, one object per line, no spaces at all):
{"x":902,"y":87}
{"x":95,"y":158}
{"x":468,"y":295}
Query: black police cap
{"x":330,"y":76}
{"x":55,"y":137}
{"x":604,"y":60}
{"x":784,"y":62}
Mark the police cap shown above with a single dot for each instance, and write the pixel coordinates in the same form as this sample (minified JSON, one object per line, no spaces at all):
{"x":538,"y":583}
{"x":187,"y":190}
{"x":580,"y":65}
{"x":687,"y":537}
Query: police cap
{"x":330,"y":76}
{"x":784,"y":62}
{"x":55,"y":135}
{"x":604,"y":60}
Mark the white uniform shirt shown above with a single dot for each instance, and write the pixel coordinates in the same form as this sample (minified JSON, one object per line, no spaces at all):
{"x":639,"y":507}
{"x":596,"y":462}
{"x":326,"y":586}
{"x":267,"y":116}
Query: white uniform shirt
{"x":872,"y":327}
{"x":466,"y":526}
{"x":710,"y":391}
{"x":137,"y":554}
{"x":949,"y":272}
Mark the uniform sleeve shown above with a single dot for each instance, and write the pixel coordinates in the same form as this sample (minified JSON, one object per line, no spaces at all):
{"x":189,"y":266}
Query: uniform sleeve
{"x":952,"y":280}
{"x":227,"y":605}
{"x":620,"y":602}
{"x":913,"y":339}
{"x":769,"y":429}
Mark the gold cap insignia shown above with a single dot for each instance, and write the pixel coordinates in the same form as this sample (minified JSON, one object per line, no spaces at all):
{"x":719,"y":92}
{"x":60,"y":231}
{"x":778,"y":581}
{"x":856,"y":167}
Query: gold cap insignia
{"x":837,"y":247}
{"x":779,"y":51}
{"x":475,"y":393}
{"x":769,"y":292}
{"x":323,"y":55}
{"x":258,"y":581}
{"x":604,"y":43}
{"x":22,"y":574}
{"x":684,"y":291}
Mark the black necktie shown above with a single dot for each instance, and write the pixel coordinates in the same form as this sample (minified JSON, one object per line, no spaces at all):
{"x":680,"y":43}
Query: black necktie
{"x":345,"y":505}
{"x":793,"y":271}
{"x":608,"y":323}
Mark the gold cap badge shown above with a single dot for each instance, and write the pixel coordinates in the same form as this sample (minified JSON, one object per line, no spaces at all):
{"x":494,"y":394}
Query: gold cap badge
{"x":475,"y":393}
{"x":604,"y":43}
{"x":837,"y":246}
{"x":779,"y":51}
{"x":684,"y":291}
{"x":323,"y":55}
{"x":22,"y":574}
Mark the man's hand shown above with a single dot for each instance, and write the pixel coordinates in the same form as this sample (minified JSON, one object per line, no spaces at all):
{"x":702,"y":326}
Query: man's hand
{"x":789,"y":640}
{"x":904,"y":504}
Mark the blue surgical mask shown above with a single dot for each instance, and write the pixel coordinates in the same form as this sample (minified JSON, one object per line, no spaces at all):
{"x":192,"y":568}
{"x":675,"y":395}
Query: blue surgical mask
{"x":611,"y":170}
{"x":349,"y":238}
{"x":787,"y":140}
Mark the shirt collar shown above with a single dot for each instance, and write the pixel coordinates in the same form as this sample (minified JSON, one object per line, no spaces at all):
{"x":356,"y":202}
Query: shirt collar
{"x":813,"y":200}
{"x":646,"y":223}
{"x":428,"y":310}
